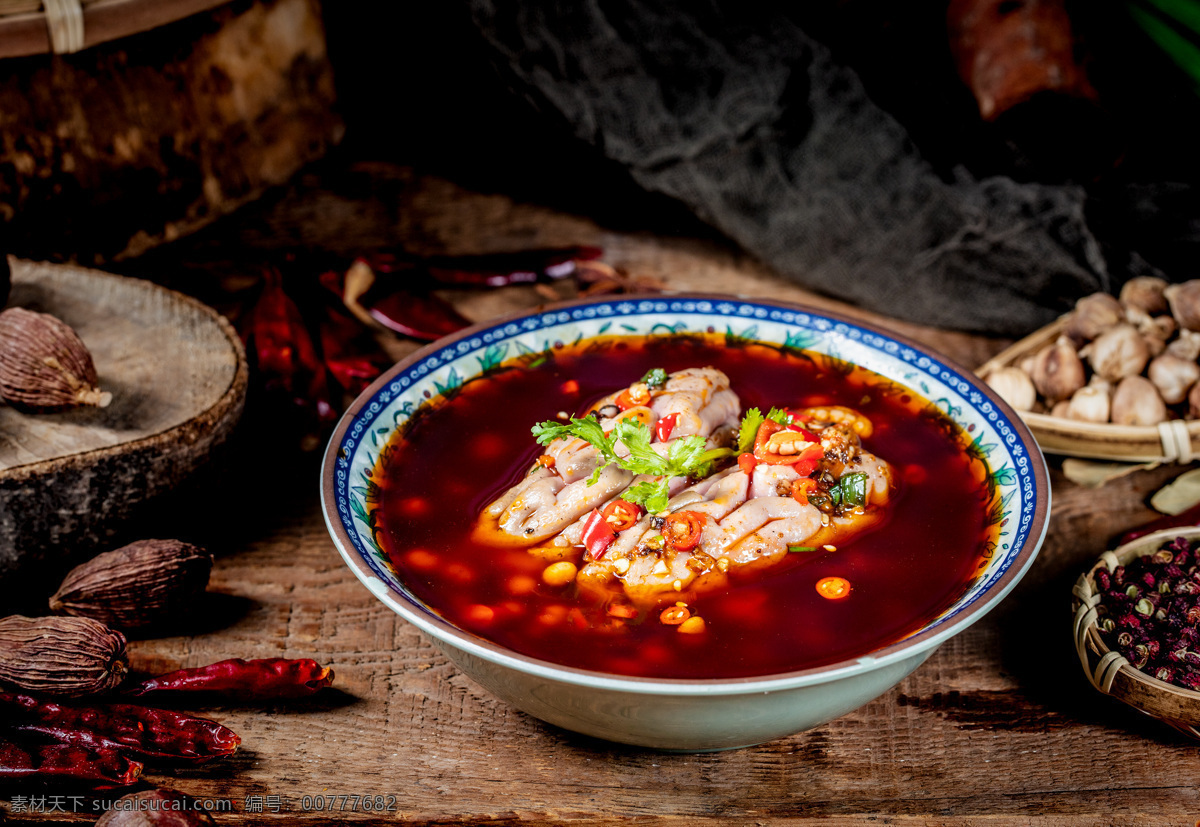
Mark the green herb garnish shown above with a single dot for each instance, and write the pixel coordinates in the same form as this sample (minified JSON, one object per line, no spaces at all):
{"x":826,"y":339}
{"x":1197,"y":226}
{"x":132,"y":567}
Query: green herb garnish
{"x":588,"y":429}
{"x":655,"y":377}
{"x":686,"y":457}
{"x":798,"y":549}
{"x":753,"y":420}
{"x":850,"y":491}
{"x":749,"y":430}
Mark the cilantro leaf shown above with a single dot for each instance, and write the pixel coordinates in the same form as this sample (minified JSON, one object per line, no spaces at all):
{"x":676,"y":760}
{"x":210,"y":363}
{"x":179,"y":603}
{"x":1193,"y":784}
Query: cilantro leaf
{"x":653,"y":496}
{"x":749,"y":430}
{"x":655,"y":377}
{"x":642,"y":458}
{"x":587,"y":429}
{"x":686,"y":457}
{"x":779,"y":415}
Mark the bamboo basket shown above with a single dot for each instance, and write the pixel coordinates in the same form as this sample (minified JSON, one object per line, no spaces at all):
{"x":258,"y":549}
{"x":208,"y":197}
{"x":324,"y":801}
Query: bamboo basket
{"x":1108,"y":670}
{"x":30,"y":27}
{"x":1174,"y":441}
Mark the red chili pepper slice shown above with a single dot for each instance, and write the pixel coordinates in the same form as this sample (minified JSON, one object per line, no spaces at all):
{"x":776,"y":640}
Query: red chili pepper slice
{"x":598,"y":535}
{"x":263,"y":679}
{"x":621,"y":514}
{"x":664,"y":427}
{"x":808,"y":459}
{"x":682,"y":530}
{"x":801,"y":488}
{"x":747,"y":463}
{"x":624,"y":400}
{"x":769,"y":429}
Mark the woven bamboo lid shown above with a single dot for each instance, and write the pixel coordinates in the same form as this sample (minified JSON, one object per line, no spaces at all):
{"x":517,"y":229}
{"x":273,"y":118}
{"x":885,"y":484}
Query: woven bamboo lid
{"x":30,"y":27}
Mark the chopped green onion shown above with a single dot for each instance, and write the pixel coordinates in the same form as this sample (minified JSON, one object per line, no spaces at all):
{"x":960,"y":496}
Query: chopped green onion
{"x":655,"y":377}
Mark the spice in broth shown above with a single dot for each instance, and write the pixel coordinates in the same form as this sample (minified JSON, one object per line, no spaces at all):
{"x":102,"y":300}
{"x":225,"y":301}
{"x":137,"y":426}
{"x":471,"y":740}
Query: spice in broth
{"x":751,"y":510}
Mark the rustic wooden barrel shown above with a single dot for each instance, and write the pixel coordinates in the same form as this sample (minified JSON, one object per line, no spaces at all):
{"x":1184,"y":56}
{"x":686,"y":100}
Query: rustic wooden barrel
{"x":152,"y":118}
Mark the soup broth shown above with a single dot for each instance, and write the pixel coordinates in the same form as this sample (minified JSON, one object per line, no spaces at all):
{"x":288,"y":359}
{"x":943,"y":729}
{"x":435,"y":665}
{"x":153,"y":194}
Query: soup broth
{"x":453,"y":460}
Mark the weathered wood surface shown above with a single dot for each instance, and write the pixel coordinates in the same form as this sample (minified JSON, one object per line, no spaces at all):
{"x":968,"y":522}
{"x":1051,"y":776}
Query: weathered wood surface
{"x":177,"y":374}
{"x":999,"y":727}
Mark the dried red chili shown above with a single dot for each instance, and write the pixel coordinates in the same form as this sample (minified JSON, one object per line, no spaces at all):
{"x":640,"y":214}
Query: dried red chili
{"x":285,"y":355}
{"x":419,"y":314}
{"x":263,"y":679}
{"x":350,"y":353}
{"x":61,"y":762}
{"x":1187,"y":517}
{"x":145,"y":732}
{"x":489,"y":270}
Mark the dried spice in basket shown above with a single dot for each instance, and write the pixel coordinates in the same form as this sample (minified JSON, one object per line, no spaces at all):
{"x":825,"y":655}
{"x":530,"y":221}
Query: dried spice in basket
{"x":1150,"y":612}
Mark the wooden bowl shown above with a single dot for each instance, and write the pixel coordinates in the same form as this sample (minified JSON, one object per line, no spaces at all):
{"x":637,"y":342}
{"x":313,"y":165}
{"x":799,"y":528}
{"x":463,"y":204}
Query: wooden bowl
{"x":1177,"y":440}
{"x":1108,"y":670}
{"x":178,"y":375}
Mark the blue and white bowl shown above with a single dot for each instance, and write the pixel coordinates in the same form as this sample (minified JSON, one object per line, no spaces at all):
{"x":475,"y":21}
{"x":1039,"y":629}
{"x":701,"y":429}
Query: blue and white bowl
{"x":684,"y":715}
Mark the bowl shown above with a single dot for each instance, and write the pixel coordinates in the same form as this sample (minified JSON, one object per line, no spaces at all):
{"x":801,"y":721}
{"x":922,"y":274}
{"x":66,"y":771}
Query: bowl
{"x":1108,"y":670}
{"x":683,"y":714}
{"x":1177,"y":440}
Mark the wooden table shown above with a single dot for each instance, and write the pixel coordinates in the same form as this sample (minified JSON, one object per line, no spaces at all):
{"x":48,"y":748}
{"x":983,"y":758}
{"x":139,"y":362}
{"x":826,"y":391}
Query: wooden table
{"x":998,"y":727}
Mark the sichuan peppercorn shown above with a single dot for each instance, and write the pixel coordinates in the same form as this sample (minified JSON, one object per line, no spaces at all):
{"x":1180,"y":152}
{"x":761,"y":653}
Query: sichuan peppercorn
{"x":1150,"y":612}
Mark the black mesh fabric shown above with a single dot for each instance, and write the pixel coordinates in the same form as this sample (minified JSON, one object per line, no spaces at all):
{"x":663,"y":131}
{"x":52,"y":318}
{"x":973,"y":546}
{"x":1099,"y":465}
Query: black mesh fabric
{"x":733,"y":110}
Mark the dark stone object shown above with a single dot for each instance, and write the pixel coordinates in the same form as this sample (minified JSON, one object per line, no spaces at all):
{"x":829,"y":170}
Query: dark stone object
{"x":737,"y":113}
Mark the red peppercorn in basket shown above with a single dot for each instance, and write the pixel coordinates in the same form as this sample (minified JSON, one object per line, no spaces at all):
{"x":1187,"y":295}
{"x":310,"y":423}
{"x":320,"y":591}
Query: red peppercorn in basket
{"x":1137,"y":625}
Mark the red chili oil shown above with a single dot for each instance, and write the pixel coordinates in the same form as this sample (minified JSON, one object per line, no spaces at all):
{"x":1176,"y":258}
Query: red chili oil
{"x":449,"y":465}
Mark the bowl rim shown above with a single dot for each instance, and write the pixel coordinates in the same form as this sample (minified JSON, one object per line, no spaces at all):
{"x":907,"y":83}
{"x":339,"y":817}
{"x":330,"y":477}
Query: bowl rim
{"x":919,"y":644}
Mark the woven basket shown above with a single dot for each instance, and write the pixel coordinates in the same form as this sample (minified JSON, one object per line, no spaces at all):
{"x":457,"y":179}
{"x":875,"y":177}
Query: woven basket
{"x":29,"y":27}
{"x":1174,"y":441}
{"x":1109,"y":671}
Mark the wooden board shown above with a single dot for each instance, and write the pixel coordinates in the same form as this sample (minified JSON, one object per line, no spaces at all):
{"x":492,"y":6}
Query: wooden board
{"x":177,"y":373}
{"x":999,"y":727}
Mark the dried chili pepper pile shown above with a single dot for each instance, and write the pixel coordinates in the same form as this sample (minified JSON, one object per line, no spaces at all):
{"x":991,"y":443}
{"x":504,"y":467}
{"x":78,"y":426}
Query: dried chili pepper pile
{"x":105,"y":744}
{"x":312,"y":332}
{"x":1150,"y":612}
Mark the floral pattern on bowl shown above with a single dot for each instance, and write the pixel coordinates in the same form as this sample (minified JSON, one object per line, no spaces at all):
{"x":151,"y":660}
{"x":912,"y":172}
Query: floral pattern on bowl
{"x":986,"y":427}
